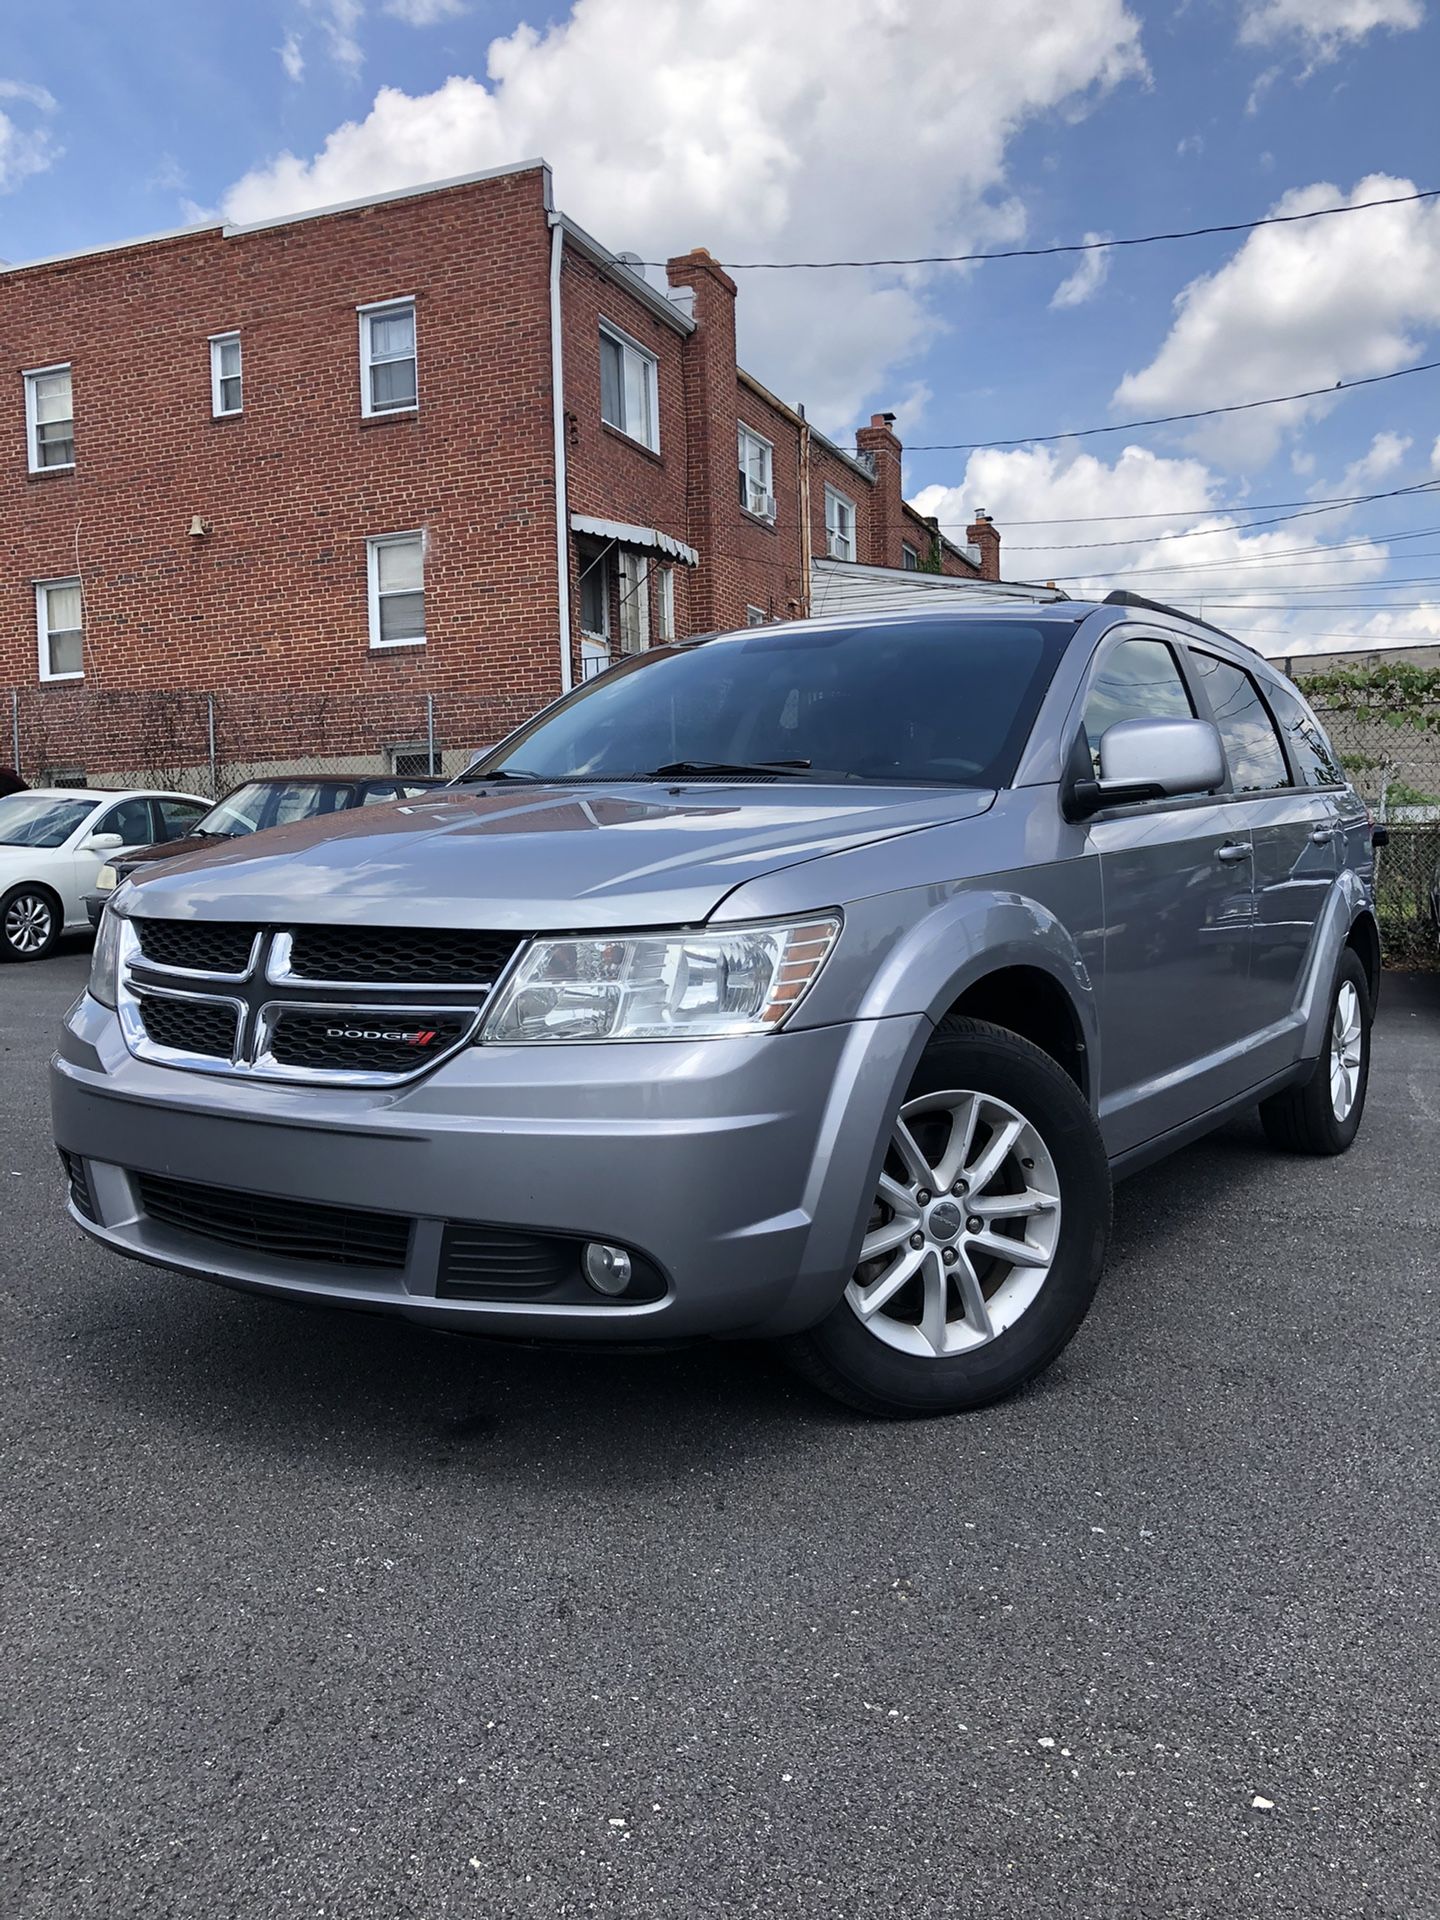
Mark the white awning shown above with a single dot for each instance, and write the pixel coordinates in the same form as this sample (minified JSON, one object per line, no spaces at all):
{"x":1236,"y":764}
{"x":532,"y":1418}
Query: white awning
{"x":645,"y":539}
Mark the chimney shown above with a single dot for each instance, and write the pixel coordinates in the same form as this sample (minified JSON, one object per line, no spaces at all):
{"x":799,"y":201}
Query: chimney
{"x":984,"y":534}
{"x":885,"y":518}
{"x":711,"y":475}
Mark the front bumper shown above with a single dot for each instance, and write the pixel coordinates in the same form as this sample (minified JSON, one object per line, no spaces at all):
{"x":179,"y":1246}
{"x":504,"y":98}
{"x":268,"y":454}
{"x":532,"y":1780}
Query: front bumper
{"x":95,"y":905}
{"x":743,"y":1169}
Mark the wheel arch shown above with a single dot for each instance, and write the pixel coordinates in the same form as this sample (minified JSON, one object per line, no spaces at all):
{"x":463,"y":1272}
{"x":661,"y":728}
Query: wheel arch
{"x":1029,"y":1001}
{"x":1363,"y":939}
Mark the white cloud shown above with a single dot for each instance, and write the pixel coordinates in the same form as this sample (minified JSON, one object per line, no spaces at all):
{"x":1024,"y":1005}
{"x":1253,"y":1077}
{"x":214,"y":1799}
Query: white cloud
{"x":292,"y":58}
{"x":25,"y":149}
{"x":339,"y":21}
{"x":1222,"y":563}
{"x":1435,"y":456}
{"x":1323,"y":27}
{"x":1297,"y":307}
{"x":424,"y":13}
{"x":823,"y":128}
{"x":1384,"y":454}
{"x":1088,"y":277}
{"x":1192,"y":143}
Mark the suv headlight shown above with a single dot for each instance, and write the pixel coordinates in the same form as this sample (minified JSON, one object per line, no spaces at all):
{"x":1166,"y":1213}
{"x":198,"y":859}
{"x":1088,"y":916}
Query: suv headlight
{"x":661,"y":986}
{"x":105,"y":960}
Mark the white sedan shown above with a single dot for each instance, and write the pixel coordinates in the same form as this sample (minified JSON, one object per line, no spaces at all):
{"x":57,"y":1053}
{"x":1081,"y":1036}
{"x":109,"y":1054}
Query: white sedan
{"x":53,"y":841}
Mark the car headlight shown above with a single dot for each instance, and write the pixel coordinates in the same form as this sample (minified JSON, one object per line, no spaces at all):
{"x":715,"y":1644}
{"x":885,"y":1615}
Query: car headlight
{"x":105,"y":959}
{"x":106,"y":880}
{"x":661,"y":986}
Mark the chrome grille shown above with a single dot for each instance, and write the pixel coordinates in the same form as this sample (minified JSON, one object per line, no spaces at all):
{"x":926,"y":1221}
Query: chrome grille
{"x":399,"y":956}
{"x":363,"y":1042}
{"x":205,"y":1027}
{"x":198,"y":946}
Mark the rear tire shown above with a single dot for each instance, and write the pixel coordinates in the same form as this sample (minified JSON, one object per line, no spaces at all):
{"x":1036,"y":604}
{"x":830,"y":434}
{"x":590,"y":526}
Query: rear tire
{"x":994,"y":1148}
{"x":30,"y":922}
{"x":1323,"y":1114}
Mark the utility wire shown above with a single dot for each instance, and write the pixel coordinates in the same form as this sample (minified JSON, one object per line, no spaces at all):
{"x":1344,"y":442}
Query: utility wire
{"x":1170,"y":419}
{"x":1179,"y":513}
{"x":1307,"y":556}
{"x":1196,"y":533}
{"x":1069,"y":246}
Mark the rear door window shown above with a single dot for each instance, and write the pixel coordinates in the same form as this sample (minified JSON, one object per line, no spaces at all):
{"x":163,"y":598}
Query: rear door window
{"x":1315,"y":761}
{"x":1252,"y":746}
{"x":1138,"y":680}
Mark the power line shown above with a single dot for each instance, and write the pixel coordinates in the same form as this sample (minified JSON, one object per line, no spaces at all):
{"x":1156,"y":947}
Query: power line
{"x":1170,"y":419}
{"x":1196,"y":533}
{"x":1069,"y":246}
{"x":1283,"y":558}
{"x":1241,"y":506}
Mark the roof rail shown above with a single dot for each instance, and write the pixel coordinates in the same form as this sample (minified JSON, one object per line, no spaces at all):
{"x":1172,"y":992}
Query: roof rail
{"x":1122,"y":597}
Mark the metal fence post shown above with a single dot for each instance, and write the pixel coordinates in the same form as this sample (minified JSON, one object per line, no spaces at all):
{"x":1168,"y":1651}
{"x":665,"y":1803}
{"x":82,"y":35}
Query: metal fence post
{"x":430,"y":731}
{"x":15,"y":727}
{"x":210,"y":722}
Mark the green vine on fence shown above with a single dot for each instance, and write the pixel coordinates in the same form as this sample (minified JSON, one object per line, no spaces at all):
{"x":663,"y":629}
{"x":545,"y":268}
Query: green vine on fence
{"x":1393,"y":691}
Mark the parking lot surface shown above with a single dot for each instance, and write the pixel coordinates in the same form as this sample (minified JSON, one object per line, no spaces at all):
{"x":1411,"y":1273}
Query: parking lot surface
{"x":305,"y":1614}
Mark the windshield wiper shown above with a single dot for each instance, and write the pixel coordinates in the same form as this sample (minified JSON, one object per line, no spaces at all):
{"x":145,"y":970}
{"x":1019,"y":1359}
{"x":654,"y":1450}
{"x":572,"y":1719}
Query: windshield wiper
{"x":674,"y":768}
{"x":471,"y":778}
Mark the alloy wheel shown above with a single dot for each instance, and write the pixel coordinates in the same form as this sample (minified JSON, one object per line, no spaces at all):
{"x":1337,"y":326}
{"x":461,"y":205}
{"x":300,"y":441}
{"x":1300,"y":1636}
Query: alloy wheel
{"x":1347,"y":1046}
{"x":964,"y":1227}
{"x":29,"y":923}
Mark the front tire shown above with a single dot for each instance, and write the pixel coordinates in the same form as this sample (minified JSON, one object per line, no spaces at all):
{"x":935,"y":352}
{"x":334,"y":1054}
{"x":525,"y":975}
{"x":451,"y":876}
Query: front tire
{"x":1323,"y":1115}
{"x":30,"y":923}
{"x":986,"y":1237}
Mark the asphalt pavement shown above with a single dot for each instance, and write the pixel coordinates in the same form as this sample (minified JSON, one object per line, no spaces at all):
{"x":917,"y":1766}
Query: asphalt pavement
{"x":308,"y":1614}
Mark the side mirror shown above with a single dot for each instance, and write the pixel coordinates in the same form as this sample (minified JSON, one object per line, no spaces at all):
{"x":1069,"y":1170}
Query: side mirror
{"x":1150,"y":760}
{"x":104,"y":842}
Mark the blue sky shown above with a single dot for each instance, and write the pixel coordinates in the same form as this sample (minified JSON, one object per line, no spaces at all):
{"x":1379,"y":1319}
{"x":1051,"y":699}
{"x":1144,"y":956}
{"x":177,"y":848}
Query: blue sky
{"x":870,"y":127}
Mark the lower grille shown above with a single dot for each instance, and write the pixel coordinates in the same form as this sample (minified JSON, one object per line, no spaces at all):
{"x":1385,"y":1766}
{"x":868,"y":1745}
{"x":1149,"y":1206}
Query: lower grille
{"x":499,"y":1263}
{"x":199,"y":946}
{"x":372,"y":1042}
{"x":80,"y":1186}
{"x":189,"y":1026}
{"x":285,"y":1229}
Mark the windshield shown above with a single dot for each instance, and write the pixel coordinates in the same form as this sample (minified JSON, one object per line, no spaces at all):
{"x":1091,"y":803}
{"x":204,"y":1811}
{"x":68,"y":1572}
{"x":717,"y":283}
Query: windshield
{"x":27,"y":820}
{"x":262,"y":803}
{"x":899,"y":704}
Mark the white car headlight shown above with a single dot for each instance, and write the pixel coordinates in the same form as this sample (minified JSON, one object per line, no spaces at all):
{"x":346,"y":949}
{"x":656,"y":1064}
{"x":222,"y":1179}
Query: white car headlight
{"x":106,"y":880}
{"x":105,"y":959}
{"x":661,"y":986}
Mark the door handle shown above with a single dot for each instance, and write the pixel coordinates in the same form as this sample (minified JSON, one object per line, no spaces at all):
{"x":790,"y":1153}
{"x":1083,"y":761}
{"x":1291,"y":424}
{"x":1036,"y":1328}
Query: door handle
{"x":1233,"y":851}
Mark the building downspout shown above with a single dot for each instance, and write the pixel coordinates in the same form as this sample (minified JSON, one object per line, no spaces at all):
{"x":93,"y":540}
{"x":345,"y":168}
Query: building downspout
{"x":557,"y":407}
{"x":805,"y":554}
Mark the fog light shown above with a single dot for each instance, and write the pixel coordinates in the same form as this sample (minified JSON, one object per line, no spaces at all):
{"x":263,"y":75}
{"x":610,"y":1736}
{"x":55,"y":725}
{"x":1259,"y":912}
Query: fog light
{"x":607,"y":1268}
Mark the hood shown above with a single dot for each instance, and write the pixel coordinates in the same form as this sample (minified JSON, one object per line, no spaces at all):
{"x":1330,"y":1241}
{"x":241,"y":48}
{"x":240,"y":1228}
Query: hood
{"x":167,"y":850}
{"x":535,"y":858}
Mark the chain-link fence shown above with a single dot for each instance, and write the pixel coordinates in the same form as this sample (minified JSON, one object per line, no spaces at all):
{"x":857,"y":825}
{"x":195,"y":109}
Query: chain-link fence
{"x":204,"y":743}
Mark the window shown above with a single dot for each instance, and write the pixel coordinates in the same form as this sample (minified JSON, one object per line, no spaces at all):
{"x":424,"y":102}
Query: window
{"x":388,"y":381}
{"x":226,"y":391}
{"x":757,"y":475}
{"x":60,"y":623}
{"x":909,"y":557}
{"x":131,"y":820}
{"x":64,"y":777}
{"x":27,"y":820}
{"x":627,"y":387}
{"x":308,"y":800}
{"x":49,"y":419}
{"x":409,"y":759}
{"x":667,"y":603}
{"x":177,"y":817}
{"x":839,"y":525}
{"x":595,"y":591}
{"x":756,"y":617}
{"x":397,"y":589}
{"x":634,"y":603}
{"x":1139,"y":680}
{"x":1315,"y":761}
{"x":1252,"y":746}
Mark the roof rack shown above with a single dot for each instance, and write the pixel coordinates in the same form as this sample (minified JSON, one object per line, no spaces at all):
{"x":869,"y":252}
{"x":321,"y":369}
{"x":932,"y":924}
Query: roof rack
{"x":1122,"y":597}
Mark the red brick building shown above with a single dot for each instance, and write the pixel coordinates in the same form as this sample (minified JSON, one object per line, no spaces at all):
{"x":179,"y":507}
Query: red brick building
{"x":439,"y":442}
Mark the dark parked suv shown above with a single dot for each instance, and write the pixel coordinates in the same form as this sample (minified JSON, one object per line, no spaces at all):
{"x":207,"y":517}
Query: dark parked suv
{"x":807,"y":983}
{"x":257,"y":805}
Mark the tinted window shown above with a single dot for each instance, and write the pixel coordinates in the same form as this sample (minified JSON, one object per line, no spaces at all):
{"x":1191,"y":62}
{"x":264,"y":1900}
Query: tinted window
{"x":1139,"y":680}
{"x":178,"y":816}
{"x":377,"y":796}
{"x":894,"y":703}
{"x":239,"y":812}
{"x":1252,"y":746}
{"x":307,"y":798}
{"x":26,"y":820}
{"x":1315,"y":761}
{"x":131,"y":820}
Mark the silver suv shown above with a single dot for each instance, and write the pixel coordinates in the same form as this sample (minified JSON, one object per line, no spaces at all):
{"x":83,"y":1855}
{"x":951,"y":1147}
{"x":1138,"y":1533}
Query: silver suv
{"x":809,"y":983}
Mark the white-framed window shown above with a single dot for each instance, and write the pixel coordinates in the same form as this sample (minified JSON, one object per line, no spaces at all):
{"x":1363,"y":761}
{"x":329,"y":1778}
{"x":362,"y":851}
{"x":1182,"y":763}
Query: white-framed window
{"x":389,"y":367}
{"x":839,"y":525}
{"x":909,"y":557}
{"x":49,"y":418}
{"x":667,"y":604}
{"x":757,"y":474}
{"x":396,"y":563}
{"x":227,"y":391}
{"x":634,"y":602}
{"x":756,"y":617}
{"x":628,"y":388}
{"x":60,"y":629}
